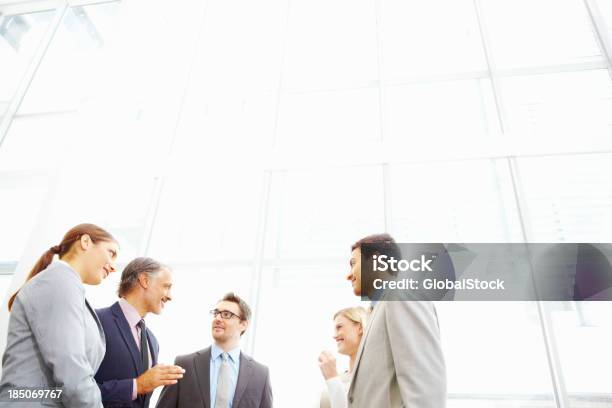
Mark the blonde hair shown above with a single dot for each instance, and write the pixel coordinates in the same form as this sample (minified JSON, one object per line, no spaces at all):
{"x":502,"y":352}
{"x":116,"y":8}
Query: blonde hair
{"x":355,"y":314}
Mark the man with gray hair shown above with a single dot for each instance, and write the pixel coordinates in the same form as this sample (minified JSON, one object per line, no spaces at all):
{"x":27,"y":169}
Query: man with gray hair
{"x":129,"y":372}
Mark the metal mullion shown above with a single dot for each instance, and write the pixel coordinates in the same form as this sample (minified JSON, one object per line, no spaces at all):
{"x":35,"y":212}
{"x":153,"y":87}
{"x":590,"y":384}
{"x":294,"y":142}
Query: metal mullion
{"x":599,"y":28}
{"x":382,"y":96}
{"x":280,"y":91}
{"x":458,"y":76}
{"x":160,"y":180}
{"x":387,"y":207}
{"x":172,"y":139}
{"x":550,"y":344}
{"x":384,"y":160}
{"x":260,"y":241}
{"x":83,"y":3}
{"x":23,"y":7}
{"x":28,"y":76}
{"x":264,"y":209}
{"x":35,"y":240}
{"x":493,"y":75}
{"x":7,"y":268}
{"x":151,"y":214}
{"x":11,"y":9}
{"x":382,"y":109}
{"x":559,"y":390}
{"x":552,"y":69}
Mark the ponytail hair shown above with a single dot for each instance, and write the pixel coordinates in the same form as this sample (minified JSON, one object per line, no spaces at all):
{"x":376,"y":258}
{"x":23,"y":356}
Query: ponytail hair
{"x":95,"y":233}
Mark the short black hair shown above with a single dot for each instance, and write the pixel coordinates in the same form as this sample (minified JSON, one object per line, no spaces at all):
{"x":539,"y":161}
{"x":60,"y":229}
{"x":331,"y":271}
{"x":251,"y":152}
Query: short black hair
{"x":382,"y":244}
{"x":245,"y":310}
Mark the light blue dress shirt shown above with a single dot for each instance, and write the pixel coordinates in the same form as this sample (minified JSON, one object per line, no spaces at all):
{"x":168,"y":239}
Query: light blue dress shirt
{"x":215,"y":365}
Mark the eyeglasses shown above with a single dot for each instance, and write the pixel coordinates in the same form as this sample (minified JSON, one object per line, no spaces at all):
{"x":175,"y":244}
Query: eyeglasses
{"x":225,"y":314}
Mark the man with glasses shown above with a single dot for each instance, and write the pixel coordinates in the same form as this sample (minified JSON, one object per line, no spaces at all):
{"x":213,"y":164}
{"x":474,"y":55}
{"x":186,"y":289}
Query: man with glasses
{"x":221,"y":376}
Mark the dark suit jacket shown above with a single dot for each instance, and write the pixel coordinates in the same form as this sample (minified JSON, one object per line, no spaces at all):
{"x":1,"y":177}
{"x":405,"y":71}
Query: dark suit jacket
{"x":193,"y":390}
{"x":122,"y":362}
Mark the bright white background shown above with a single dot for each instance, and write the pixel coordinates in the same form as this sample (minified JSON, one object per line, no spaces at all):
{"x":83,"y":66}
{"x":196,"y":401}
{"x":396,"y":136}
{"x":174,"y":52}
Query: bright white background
{"x":249,"y":143}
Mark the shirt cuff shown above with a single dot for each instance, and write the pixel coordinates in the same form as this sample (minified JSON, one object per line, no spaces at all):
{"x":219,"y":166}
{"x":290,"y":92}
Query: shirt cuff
{"x":337,"y":392}
{"x":334,"y":380}
{"x":134,"y":393}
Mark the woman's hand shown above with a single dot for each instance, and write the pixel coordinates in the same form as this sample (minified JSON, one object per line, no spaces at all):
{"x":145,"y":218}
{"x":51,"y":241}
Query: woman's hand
{"x":327,"y":364}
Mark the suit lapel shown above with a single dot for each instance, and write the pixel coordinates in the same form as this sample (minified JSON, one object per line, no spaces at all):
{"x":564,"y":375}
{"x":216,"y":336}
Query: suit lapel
{"x":201,"y":362}
{"x":244,"y":373}
{"x":152,"y":348}
{"x":95,"y":316}
{"x":371,"y":318}
{"x":126,"y":334}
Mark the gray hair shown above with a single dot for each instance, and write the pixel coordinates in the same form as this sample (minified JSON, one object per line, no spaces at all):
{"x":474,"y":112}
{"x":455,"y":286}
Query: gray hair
{"x":130,"y":274}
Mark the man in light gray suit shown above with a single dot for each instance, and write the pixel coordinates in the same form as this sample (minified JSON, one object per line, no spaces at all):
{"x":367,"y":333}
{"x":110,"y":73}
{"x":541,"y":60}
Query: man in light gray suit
{"x":399,"y":362}
{"x":221,"y":376}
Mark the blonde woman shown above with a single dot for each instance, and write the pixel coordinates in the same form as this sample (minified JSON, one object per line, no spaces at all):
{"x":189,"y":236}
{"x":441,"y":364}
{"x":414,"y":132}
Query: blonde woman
{"x":349,"y":325}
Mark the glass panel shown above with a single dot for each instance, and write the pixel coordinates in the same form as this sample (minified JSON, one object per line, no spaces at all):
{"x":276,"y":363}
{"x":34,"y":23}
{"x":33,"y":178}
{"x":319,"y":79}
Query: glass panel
{"x":20,"y":36}
{"x":77,"y":55}
{"x":5,"y":284}
{"x":572,"y":110}
{"x":320,"y":213}
{"x":240,"y":47}
{"x":333,"y":117}
{"x":551,"y":32}
{"x":123,"y":102}
{"x":46,"y":141}
{"x":436,"y":203}
{"x":87,"y":119}
{"x":116,"y":200}
{"x":21,"y":198}
{"x":36,"y":142}
{"x":494,"y":342}
{"x":321,"y":53}
{"x":583,"y":332}
{"x":214,"y":123}
{"x":568,"y":198}
{"x":288,"y":305}
{"x":445,"y":116}
{"x":605,"y":8}
{"x":204,"y":217}
{"x":419,"y":39}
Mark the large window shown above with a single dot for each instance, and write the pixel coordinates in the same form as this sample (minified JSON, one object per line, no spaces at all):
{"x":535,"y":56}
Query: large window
{"x":249,"y":144}
{"x":21,"y":35}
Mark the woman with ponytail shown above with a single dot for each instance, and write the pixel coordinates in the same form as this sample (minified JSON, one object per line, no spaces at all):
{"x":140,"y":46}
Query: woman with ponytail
{"x":55,"y":340}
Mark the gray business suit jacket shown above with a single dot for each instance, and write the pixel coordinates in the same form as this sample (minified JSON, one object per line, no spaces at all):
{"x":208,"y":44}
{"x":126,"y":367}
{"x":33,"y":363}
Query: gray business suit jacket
{"x":399,"y":362}
{"x":193,"y":390}
{"x":54,"y":340}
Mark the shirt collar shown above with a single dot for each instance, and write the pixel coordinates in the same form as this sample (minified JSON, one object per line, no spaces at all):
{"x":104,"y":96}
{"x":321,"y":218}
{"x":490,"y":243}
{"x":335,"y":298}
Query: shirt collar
{"x":216,"y":351}
{"x":131,"y":314}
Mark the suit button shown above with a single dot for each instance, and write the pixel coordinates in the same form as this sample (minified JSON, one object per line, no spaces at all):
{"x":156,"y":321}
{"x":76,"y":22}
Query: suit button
{"x":351,"y":399}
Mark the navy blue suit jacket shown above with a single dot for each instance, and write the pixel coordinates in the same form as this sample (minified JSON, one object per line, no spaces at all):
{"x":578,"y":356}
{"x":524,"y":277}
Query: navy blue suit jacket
{"x":122,"y":362}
